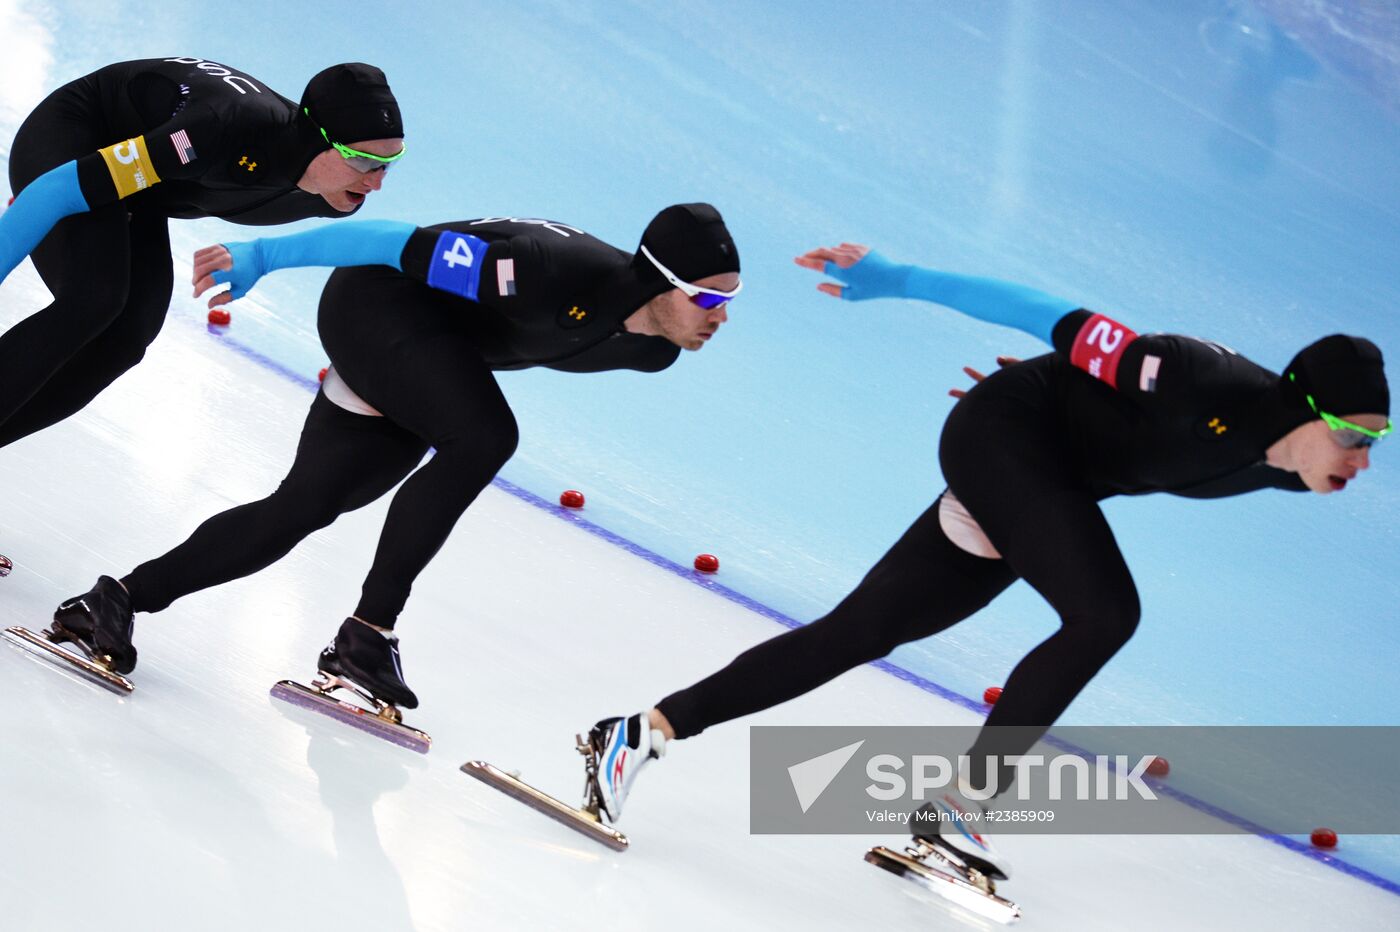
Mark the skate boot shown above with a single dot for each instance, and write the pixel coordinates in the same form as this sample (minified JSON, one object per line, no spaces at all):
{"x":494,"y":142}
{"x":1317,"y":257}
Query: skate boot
{"x":101,"y":623}
{"x":951,"y":857}
{"x":617,"y":749}
{"x":368,"y":659}
{"x":953,"y":825}
{"x":364,"y":661}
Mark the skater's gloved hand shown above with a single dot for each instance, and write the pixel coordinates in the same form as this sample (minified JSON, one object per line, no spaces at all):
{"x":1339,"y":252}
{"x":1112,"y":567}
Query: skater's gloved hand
{"x":237,"y":264}
{"x":865,"y":273}
{"x":1002,"y":362}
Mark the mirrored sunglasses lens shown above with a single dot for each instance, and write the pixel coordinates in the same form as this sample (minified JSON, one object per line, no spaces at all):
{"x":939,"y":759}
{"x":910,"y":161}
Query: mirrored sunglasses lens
{"x":706,"y":301}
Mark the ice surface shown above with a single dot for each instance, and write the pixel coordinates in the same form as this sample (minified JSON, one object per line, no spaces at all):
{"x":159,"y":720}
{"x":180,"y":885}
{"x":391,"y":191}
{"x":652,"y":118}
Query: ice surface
{"x":199,"y":802}
{"x":1217,"y":167}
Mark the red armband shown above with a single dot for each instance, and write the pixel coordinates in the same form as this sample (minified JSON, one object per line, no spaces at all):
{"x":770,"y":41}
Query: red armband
{"x":1099,"y":346}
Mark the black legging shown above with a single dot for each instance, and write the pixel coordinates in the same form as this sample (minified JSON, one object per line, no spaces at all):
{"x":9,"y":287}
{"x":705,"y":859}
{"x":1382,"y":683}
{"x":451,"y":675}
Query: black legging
{"x":1003,"y":459}
{"x":409,"y":356}
{"x":110,"y":275}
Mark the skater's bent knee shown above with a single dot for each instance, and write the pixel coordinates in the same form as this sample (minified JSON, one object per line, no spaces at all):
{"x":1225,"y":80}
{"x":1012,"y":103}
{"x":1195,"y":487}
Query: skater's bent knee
{"x":1110,"y":627}
{"x":501,"y":442}
{"x":304,"y":509}
{"x":89,"y":307}
{"x":482,"y":450}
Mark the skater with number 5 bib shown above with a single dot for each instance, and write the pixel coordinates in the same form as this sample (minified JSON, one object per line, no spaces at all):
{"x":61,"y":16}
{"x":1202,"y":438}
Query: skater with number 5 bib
{"x":106,"y":161}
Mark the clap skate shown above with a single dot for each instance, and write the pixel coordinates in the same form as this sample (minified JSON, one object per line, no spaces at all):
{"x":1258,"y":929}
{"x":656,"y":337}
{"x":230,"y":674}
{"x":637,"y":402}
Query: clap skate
{"x":949,"y":870}
{"x":99,"y":624}
{"x":365,"y":662}
{"x":587,"y":819}
{"x":617,"y":748}
{"x":91,"y":665}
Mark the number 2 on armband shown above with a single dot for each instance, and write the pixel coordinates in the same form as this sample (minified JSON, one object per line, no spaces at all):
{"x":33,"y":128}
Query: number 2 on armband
{"x":1106,"y":335}
{"x":459,"y":254}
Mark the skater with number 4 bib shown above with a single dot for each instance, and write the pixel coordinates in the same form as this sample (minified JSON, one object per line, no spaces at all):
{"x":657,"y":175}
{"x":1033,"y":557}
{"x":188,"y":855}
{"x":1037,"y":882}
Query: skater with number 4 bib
{"x":1028,"y":454}
{"x":415,"y":331}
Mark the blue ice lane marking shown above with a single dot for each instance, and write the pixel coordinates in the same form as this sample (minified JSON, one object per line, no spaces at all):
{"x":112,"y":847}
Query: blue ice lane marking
{"x":265,"y":361}
{"x":928,"y":686}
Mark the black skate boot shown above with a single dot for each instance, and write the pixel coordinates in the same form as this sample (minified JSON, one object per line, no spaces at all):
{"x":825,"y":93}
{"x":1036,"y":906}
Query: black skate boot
{"x":365,"y":662}
{"x":369,"y":660}
{"x":101,"y":623}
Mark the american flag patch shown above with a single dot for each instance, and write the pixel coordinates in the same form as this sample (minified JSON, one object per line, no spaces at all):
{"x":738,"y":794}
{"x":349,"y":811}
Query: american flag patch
{"x":183,"y":147}
{"x":505,"y":276}
{"x":1147,"y":376}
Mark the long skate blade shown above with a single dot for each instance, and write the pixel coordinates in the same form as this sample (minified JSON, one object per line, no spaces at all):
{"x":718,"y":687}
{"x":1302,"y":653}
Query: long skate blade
{"x":40,"y":646}
{"x":947,"y":885}
{"x":307,"y":698}
{"x":576,"y":819}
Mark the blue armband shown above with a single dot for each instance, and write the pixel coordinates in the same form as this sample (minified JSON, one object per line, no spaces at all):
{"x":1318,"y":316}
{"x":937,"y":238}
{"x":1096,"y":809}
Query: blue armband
{"x":989,"y":299}
{"x":350,"y":242}
{"x":456,"y":263}
{"x":48,"y":199}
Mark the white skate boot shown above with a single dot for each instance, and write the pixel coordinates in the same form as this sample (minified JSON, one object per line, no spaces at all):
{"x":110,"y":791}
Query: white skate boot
{"x":951,"y":856}
{"x":619,"y":748}
{"x":614,"y":752}
{"x":955,"y":824}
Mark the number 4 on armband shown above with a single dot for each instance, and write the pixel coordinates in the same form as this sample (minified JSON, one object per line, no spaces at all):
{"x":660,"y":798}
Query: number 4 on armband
{"x":456,"y":264}
{"x":459,"y":254}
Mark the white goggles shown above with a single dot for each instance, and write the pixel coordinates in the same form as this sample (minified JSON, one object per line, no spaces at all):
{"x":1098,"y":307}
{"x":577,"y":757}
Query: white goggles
{"x":704,"y":298}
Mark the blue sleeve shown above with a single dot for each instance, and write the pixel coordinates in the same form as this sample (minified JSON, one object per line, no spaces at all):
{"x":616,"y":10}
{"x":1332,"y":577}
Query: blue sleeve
{"x":988,"y":299}
{"x":364,"y":242}
{"x":47,"y":200}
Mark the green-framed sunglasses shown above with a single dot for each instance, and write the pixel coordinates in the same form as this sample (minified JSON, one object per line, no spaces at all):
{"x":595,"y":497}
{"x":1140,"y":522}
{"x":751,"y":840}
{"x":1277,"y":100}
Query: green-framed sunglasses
{"x":362,"y":162}
{"x":1358,"y":437}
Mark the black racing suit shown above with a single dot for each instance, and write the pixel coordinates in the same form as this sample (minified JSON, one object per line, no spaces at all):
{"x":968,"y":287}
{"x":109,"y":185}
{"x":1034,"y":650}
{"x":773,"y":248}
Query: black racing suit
{"x":1029,"y":452}
{"x":153,"y":139}
{"x":550,"y":295}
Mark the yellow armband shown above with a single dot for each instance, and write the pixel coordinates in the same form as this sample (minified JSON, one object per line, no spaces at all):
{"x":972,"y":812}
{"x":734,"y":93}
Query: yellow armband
{"x":130,"y":166}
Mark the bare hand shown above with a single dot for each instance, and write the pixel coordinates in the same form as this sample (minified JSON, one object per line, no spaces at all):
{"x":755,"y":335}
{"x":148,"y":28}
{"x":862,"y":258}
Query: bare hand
{"x":844,"y":256}
{"x":1002,"y":362}
{"x":207,"y":261}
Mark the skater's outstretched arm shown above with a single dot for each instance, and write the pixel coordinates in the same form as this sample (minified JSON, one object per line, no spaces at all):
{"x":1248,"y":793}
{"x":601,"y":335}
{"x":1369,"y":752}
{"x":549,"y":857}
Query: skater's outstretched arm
{"x":1147,"y":368}
{"x":865,"y":274}
{"x":240,"y":265}
{"x":48,"y":199}
{"x":103,"y":177}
